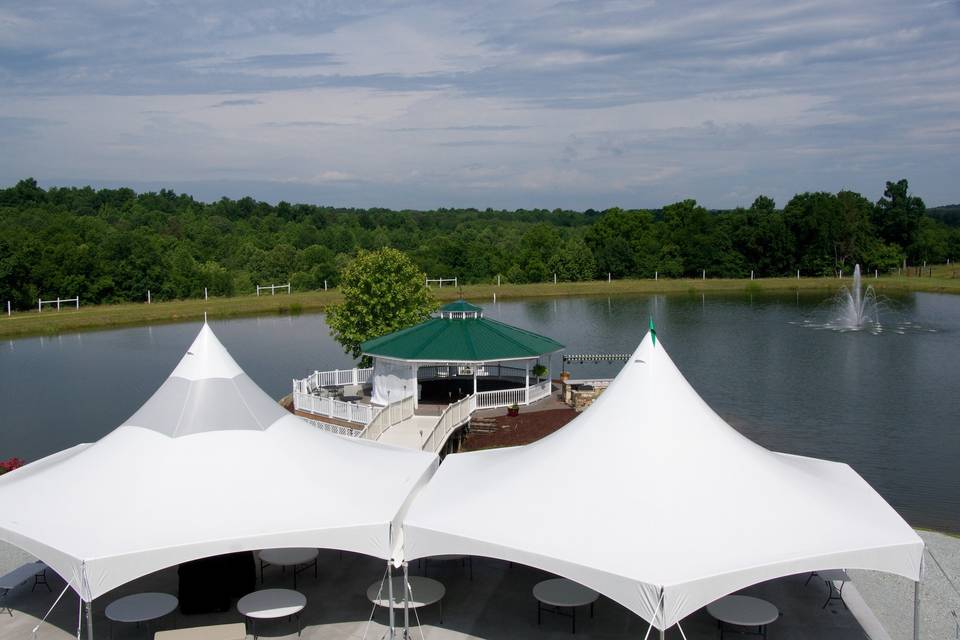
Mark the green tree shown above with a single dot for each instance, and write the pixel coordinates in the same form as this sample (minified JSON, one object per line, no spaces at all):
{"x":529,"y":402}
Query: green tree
{"x":383,"y":291}
{"x":897,"y":214}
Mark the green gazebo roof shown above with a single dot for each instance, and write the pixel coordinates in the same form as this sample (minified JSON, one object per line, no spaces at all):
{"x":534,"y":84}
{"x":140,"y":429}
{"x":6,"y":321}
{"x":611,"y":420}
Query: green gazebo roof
{"x":470,"y":339}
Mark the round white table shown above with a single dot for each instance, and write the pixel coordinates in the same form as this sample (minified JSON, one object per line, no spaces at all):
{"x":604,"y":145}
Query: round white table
{"x":269,"y":604}
{"x":423,"y":593}
{"x":743,"y":611}
{"x":561,"y":593}
{"x":140,"y":607}
{"x":298,"y":558}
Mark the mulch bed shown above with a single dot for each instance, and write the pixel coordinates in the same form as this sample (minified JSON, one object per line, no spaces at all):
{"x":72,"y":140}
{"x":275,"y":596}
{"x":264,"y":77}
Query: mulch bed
{"x":522,"y":429}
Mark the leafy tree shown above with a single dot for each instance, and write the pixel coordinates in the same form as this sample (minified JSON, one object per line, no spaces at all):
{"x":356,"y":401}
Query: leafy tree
{"x":897,"y":214}
{"x":383,"y":291}
{"x":689,"y":227}
{"x":574,"y":262}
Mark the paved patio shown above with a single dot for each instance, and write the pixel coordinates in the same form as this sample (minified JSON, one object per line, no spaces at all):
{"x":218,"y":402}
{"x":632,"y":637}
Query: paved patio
{"x":496,"y":604}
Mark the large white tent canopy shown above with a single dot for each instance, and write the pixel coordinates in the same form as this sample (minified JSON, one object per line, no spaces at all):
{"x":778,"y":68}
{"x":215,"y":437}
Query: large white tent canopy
{"x":209,"y":465}
{"x":650,"y":498}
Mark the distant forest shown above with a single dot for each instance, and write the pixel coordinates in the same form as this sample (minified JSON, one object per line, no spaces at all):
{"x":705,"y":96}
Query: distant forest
{"x":112,"y":245}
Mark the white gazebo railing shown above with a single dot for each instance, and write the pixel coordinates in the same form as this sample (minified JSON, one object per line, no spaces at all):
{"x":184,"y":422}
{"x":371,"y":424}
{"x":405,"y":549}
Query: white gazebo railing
{"x":335,"y":378}
{"x":539,"y":391}
{"x":452,"y":417}
{"x":349,"y":411}
{"x":340,"y":430}
{"x":439,"y":372}
{"x":501,"y":398}
{"x":387,"y":417}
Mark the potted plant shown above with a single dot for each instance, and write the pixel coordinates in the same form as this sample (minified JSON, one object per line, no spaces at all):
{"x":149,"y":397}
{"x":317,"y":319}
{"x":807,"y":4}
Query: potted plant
{"x":539,"y":370}
{"x":513,"y":410}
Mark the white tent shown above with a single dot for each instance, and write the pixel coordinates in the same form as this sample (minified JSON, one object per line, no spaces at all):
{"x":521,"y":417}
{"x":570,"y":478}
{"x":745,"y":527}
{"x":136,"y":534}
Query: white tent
{"x":650,"y":498}
{"x":209,"y":465}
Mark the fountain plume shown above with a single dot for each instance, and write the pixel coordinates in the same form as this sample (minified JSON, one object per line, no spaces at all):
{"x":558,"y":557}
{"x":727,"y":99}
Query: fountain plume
{"x":856,"y":307}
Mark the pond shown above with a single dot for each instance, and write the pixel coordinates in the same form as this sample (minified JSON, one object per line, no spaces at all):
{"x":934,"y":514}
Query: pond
{"x":886,"y":402}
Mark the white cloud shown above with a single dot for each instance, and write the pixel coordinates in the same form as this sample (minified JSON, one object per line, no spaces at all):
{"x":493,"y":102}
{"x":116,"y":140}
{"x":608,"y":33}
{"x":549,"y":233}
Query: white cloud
{"x":501,"y":103}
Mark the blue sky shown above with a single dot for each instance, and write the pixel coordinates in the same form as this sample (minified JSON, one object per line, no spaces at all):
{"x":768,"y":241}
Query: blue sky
{"x":501,"y":104}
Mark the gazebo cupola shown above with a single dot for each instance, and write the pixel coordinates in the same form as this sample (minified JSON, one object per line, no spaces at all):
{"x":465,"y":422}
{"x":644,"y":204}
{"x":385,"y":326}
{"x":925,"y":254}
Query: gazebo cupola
{"x":460,"y":310}
{"x":459,"y":352}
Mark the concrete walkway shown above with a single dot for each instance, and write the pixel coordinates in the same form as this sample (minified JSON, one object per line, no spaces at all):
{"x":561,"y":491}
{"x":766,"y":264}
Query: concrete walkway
{"x":411,"y":433}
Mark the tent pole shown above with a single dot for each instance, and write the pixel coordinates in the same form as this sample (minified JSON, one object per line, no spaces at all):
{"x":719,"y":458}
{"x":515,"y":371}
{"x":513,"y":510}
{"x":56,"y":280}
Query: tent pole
{"x":390,"y":594}
{"x":406,"y":603}
{"x":89,"y":608}
{"x":916,"y":610}
{"x":663,"y":630}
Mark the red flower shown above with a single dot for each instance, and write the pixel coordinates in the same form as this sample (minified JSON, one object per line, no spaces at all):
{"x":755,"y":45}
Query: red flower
{"x":10,"y":465}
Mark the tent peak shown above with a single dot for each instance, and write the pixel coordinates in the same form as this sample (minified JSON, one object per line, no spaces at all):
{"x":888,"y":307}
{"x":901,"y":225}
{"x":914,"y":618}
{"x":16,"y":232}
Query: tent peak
{"x":206,"y":358}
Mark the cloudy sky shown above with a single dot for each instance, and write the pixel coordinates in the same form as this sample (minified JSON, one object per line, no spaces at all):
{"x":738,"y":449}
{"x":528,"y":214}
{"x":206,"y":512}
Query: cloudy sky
{"x":502,"y":104}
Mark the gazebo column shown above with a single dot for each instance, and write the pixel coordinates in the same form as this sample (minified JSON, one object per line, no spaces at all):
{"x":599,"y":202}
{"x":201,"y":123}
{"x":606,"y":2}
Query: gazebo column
{"x":474,"y":379}
{"x":526,"y":382}
{"x":416,"y":386}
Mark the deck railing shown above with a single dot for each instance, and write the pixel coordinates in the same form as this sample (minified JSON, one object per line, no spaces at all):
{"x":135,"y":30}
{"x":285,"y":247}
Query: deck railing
{"x":340,"y":430}
{"x":439,"y":372}
{"x":349,"y":411}
{"x":501,"y":398}
{"x":335,"y":378}
{"x":539,"y":391}
{"x":388,"y":416}
{"x":453,"y":416}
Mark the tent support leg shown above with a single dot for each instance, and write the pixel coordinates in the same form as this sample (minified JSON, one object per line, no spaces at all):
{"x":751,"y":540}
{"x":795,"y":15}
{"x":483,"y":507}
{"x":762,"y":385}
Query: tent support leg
{"x":663,"y":617}
{"x":406,"y":603}
{"x":89,"y":610}
{"x":916,"y":610}
{"x":390,"y":595}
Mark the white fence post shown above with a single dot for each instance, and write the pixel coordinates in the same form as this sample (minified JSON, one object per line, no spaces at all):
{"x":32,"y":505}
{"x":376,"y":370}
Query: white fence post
{"x":39,"y":305}
{"x":324,"y":285}
{"x":205,"y":294}
{"x":148,"y":296}
{"x":554,"y":278}
{"x":608,"y":276}
{"x":798,"y":274}
{"x":498,"y":279}
{"x":8,"y":307}
{"x":751,"y":274}
{"x":656,"y":275}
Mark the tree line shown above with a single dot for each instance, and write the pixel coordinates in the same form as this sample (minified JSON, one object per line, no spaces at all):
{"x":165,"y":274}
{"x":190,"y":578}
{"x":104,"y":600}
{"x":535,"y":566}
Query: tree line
{"x":113,"y":245}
